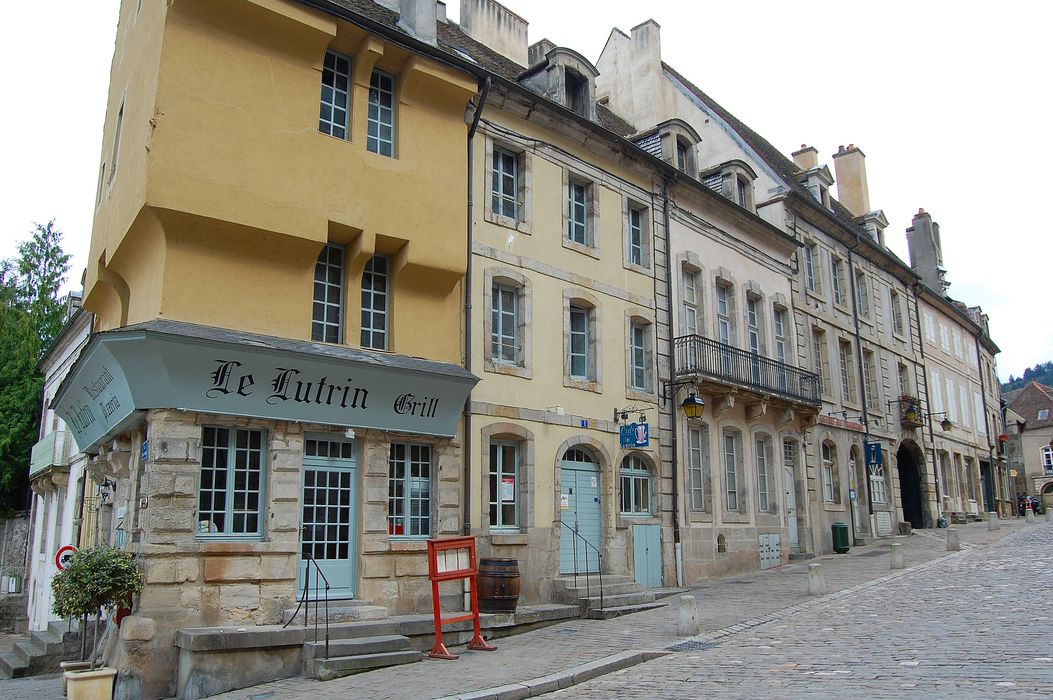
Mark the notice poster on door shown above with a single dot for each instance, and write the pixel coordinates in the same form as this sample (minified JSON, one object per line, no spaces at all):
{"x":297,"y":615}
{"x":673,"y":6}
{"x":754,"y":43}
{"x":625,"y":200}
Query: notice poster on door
{"x":564,"y":501}
{"x":884,"y":523}
{"x":508,"y":488}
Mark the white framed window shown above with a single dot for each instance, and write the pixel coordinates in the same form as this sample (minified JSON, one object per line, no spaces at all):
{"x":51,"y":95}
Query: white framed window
{"x":683,"y":156}
{"x":636,"y":242}
{"x":692,"y":300}
{"x":812,"y":281}
{"x":936,"y":392}
{"x":640,"y":356}
{"x":697,"y":465}
{"x":380,"y":122}
{"x":505,"y":184}
{"x":504,"y":485}
{"x":952,"y":399}
{"x":945,"y":339}
{"x":375,"y":304}
{"x":635,"y":480}
{"x":945,"y":475}
{"x":844,"y":354}
{"x":904,"y":380}
{"x":829,"y":457}
{"x":897,"y":312}
{"x":870,"y":386}
{"x":724,"y":314}
{"x":579,"y":207}
{"x":763,"y":457}
{"x":117,"y":131}
{"x":820,"y":361}
{"x":336,"y":95}
{"x":1047,"y":459}
{"x":327,"y":316}
{"x":505,"y":342}
{"x":1043,"y":414}
{"x":862,"y":294}
{"x":779,"y":319}
{"x":753,"y":326}
{"x":837,"y":280}
{"x":732,"y":451}
{"x":963,"y":403}
{"x":409,"y":490}
{"x":930,"y":327}
{"x":230,"y":488}
{"x":580,"y":355}
{"x":878,"y":487}
{"x":958,"y":344}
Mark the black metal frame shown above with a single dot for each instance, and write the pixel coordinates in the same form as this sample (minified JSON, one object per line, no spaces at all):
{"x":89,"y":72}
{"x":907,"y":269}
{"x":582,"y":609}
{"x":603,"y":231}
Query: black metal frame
{"x":587,"y":573}
{"x":304,"y":600}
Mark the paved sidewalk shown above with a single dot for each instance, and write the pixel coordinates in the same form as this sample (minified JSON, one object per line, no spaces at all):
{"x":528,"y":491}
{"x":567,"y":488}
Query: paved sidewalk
{"x":723,"y":603}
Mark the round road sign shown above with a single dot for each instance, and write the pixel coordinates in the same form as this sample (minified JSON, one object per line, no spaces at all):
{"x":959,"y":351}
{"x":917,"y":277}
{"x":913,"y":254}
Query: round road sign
{"x":63,"y":556}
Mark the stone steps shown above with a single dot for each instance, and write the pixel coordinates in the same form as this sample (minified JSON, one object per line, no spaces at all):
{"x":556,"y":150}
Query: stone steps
{"x":41,"y":651}
{"x":349,"y":656}
{"x":619,"y":600}
{"x":12,"y":665}
{"x":619,"y":610}
{"x":328,"y":669}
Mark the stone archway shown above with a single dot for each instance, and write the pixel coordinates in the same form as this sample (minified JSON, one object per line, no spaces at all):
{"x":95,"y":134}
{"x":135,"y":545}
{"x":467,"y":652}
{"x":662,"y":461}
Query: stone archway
{"x":910,"y":491}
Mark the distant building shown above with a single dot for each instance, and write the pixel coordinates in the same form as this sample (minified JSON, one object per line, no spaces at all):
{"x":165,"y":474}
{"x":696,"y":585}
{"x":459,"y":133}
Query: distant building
{"x":1029,"y":426}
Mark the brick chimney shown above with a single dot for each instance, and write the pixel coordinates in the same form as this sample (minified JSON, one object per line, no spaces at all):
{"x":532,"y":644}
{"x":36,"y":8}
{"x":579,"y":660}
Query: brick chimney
{"x":851,"y":174}
{"x":806,"y":158}
{"x":417,"y":18}
{"x":495,"y":26}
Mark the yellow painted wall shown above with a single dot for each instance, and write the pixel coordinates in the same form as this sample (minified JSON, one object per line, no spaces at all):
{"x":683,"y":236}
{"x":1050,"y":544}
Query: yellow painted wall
{"x":243,"y":191}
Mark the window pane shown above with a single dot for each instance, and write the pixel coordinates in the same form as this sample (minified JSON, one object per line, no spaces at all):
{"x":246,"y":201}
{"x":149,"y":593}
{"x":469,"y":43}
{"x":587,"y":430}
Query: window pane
{"x":332,"y":118}
{"x":380,"y":133}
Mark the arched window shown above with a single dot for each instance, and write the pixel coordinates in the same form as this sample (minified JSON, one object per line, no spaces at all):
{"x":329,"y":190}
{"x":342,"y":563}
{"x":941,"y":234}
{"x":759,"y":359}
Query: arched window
{"x":635,"y":479}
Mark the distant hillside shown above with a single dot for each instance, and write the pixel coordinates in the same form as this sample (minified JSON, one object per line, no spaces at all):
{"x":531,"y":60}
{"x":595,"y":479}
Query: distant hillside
{"x":1041,"y":373}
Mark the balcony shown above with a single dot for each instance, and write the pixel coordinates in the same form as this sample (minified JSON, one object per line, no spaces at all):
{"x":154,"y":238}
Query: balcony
{"x":705,"y":358}
{"x":51,"y":451}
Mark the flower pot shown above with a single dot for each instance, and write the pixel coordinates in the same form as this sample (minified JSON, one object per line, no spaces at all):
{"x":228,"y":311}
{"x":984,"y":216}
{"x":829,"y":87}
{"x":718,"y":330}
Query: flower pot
{"x":72,"y":666}
{"x":90,"y":685}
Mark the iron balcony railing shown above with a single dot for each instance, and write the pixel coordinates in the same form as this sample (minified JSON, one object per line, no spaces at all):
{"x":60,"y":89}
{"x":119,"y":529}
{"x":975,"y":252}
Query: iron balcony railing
{"x":52,"y":451}
{"x":704,"y":357}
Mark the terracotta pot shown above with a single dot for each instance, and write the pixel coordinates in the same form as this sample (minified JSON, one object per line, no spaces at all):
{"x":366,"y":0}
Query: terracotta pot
{"x":90,"y":685}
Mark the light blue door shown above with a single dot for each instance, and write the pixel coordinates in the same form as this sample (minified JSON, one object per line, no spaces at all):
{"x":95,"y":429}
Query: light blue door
{"x":330,"y":508}
{"x":647,"y":555}
{"x":580,"y":511}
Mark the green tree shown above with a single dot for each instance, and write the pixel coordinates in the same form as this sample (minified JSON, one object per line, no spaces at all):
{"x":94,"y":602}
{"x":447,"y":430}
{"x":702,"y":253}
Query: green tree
{"x":30,"y":318}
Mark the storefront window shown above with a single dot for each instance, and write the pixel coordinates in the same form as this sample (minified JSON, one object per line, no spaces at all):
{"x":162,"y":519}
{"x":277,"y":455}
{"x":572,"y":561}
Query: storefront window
{"x":409,"y":490}
{"x":504,"y":485}
{"x":230,"y":493}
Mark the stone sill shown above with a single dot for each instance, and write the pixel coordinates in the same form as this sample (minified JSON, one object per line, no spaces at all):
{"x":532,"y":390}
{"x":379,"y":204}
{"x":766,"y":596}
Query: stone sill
{"x":508,"y":539}
{"x":407,"y":546}
{"x":228,"y":638}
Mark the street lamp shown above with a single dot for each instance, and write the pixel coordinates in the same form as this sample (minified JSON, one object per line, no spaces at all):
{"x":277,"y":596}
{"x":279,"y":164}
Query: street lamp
{"x":693,"y":407}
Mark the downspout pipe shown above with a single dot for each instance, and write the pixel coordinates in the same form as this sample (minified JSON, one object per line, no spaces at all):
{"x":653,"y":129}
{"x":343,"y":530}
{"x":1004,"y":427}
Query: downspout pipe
{"x":466,"y":505}
{"x":925,"y":381}
{"x":678,"y":546}
{"x":862,"y":380}
{"x":992,"y":467}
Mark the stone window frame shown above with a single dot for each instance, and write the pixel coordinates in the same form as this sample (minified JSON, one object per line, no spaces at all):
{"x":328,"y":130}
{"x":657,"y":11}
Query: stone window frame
{"x":943,"y":458}
{"x":591,"y":246}
{"x":871,"y":377}
{"x":830,"y":471}
{"x":433,"y":496}
{"x":604,"y":466}
{"x":812,"y":258}
{"x":864,"y":295}
{"x":846,"y":370}
{"x":524,"y":439}
{"x":896,"y":313}
{"x":628,"y":206}
{"x":755,"y":294}
{"x":678,"y":137}
{"x":838,"y":282}
{"x":737,"y":180}
{"x":506,"y":276}
{"x":780,"y":306}
{"x":738,"y":471}
{"x":264,"y":475}
{"x":689,"y":263}
{"x":524,"y":182}
{"x":723,"y":278}
{"x":581,"y":299}
{"x":820,"y":361}
{"x":704,"y":469}
{"x":634,"y":317}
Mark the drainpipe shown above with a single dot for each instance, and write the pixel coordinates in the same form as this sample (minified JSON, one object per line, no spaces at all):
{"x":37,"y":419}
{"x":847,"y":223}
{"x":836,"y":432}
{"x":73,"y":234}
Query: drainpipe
{"x":925,"y":381}
{"x":989,"y":492}
{"x":862,"y":386}
{"x":484,"y":92}
{"x":678,"y":546}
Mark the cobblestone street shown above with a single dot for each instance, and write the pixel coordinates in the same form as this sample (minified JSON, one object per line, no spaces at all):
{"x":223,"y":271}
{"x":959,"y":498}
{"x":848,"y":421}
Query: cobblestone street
{"x":951,"y":624}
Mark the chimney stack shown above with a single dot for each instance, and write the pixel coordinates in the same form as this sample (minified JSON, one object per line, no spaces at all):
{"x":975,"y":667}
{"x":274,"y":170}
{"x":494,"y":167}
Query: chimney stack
{"x":851,"y":174}
{"x":807,"y":158}
{"x":495,"y":26}
{"x":417,"y":18}
{"x":926,"y":252}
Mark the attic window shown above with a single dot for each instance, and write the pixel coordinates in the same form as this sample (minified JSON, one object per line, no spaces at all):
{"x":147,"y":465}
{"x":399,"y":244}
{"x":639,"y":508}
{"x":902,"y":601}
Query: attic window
{"x":824,"y":196}
{"x":577,"y":93}
{"x":683,"y":157}
{"x":1043,"y":414}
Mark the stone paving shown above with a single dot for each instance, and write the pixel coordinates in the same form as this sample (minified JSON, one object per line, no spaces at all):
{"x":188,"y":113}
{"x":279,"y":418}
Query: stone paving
{"x":739,"y":612}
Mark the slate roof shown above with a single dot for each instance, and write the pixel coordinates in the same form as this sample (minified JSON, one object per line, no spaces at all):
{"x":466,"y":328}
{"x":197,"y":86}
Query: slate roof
{"x":1028,"y":401}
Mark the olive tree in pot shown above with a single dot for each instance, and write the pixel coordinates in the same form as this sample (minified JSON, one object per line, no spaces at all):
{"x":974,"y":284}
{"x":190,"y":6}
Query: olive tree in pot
{"x":93,"y":580}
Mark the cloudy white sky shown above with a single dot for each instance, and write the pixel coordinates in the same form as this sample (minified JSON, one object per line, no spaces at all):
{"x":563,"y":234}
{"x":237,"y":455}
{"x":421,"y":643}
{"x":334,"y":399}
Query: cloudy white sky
{"x":937,"y":94}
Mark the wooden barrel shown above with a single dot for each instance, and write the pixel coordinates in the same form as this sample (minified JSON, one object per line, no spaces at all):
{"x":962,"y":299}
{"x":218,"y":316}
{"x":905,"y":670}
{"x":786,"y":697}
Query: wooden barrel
{"x":498,"y":584}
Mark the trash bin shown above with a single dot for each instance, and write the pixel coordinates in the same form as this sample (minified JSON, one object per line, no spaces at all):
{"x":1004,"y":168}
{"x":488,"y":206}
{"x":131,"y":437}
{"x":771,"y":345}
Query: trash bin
{"x":840,"y":535}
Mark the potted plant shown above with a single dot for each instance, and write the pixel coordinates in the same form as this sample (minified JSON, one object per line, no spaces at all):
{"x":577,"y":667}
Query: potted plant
{"x":93,"y":580}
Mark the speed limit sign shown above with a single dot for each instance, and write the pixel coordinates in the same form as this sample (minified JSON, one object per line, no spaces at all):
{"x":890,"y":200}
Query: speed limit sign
{"x":63,"y":556}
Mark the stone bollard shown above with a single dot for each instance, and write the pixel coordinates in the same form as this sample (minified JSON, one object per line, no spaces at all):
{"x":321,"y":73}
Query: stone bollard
{"x":816,"y":580}
{"x":993,"y":523}
{"x":953,"y":545}
{"x":1049,"y":514}
{"x":1029,"y":516}
{"x":687,"y":623}
{"x":897,"y":556}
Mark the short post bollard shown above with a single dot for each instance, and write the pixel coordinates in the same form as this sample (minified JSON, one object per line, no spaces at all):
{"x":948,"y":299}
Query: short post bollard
{"x":953,"y":544}
{"x":1029,"y":516}
{"x":816,"y":580}
{"x":1049,"y":514}
{"x":896,"y":559}
{"x":993,"y":523}
{"x":687,"y":624}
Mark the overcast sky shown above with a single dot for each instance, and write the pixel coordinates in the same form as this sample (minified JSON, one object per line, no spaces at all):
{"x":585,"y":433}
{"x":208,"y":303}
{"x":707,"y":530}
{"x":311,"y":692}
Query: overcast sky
{"x":935,"y":94}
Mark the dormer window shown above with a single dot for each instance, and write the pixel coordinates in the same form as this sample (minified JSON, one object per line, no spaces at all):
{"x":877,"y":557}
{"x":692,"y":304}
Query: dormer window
{"x":576,"y":93}
{"x":741,"y":188}
{"x":681,"y":156}
{"x":818,"y":181}
{"x":734,"y":180}
{"x":824,"y":196}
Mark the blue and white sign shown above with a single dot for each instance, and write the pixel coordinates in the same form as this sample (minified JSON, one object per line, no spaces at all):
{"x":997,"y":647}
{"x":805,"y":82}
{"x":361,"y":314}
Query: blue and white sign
{"x":873,"y":453}
{"x":634,"y":435}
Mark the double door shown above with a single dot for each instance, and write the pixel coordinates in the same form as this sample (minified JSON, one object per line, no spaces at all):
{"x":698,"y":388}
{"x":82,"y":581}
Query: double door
{"x":580,"y":512}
